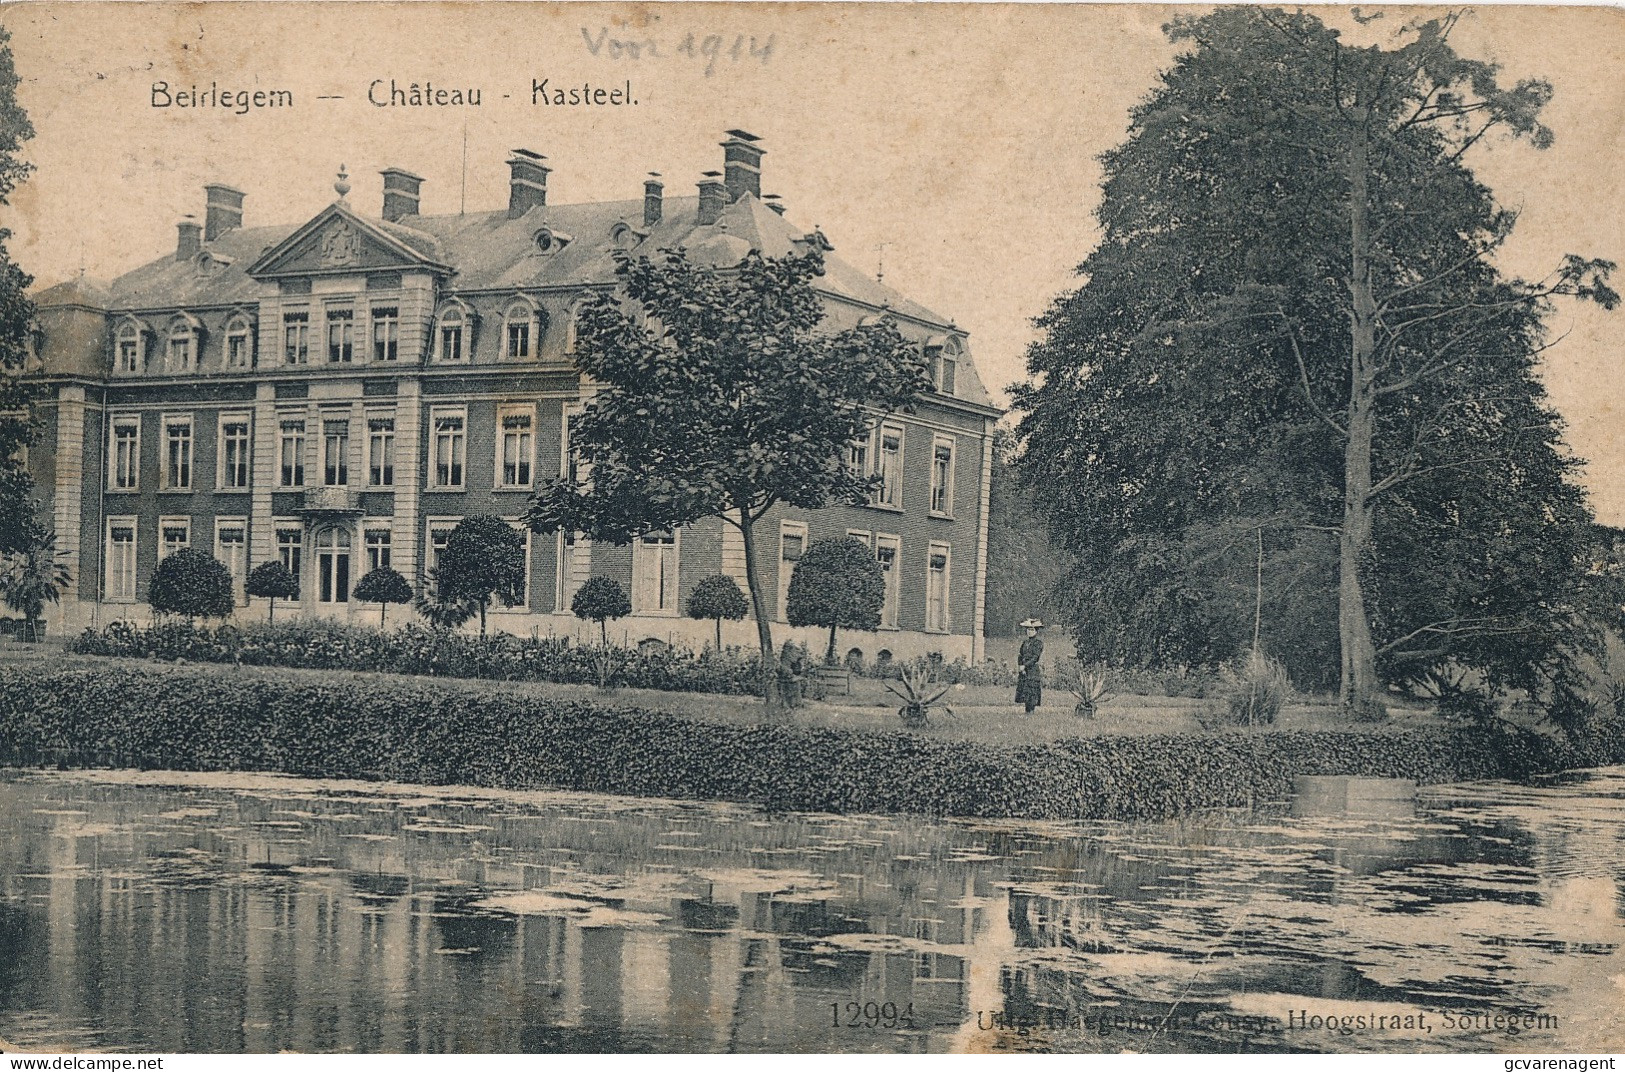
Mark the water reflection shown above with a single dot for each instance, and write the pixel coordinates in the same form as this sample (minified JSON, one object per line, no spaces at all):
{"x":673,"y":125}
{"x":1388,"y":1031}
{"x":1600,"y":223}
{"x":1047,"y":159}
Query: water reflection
{"x":254,"y":913}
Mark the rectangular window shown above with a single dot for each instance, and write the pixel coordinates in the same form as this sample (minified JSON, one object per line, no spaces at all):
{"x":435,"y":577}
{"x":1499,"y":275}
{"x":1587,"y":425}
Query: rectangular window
{"x":451,"y":342}
{"x":377,"y":540}
{"x":125,"y":474}
{"x":129,"y":355}
{"x":231,"y":549}
{"x":571,"y":549}
{"x":290,"y":547}
{"x":942,"y":477}
{"x":792,"y":544}
{"x":888,"y":549}
{"x":178,"y":453}
{"x":174,"y":533}
{"x":857,"y":458}
{"x":439,"y":533}
{"x":654,"y":573}
{"x":296,"y":338}
{"x":234,"y":450}
{"x":936,"y":589}
{"x":340,"y":336}
{"x":179,"y":358}
{"x":386,"y":334}
{"x":291,"y":453}
{"x":449,"y":447}
{"x":517,"y":446}
{"x":237,"y":350}
{"x":120,"y":580}
{"x":889,"y":466}
{"x":335,"y":453}
{"x":381,"y":451}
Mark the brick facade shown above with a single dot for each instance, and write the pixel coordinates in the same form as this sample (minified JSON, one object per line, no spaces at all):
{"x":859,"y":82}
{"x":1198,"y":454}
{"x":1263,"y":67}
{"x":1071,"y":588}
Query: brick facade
{"x":454,"y":324}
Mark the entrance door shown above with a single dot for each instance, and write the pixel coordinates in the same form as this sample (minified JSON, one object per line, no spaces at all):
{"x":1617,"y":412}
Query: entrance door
{"x":333,"y":566}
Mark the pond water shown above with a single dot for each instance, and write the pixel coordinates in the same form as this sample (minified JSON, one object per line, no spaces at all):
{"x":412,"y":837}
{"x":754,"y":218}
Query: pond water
{"x":163,"y":912}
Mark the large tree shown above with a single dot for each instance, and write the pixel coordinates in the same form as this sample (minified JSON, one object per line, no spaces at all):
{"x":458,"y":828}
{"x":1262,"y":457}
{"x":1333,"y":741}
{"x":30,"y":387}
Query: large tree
{"x":18,"y":528}
{"x":1295,"y":324}
{"x":717,"y":393}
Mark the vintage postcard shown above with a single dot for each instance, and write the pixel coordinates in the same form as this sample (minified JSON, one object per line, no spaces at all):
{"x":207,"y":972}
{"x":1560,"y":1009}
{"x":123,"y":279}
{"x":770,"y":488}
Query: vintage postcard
{"x":811,"y":528}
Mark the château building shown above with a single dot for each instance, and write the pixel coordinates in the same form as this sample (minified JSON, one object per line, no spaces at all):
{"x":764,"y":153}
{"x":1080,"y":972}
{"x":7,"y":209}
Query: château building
{"x":337,"y":393}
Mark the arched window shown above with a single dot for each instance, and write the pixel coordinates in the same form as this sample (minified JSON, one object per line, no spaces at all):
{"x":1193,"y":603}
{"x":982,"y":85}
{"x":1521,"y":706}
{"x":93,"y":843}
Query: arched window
{"x":181,"y":346}
{"x":453,"y":333}
{"x":239,"y":342}
{"x":129,"y":346}
{"x":622,"y":236}
{"x":519,"y":334}
{"x":333,"y":565}
{"x":943,"y":354}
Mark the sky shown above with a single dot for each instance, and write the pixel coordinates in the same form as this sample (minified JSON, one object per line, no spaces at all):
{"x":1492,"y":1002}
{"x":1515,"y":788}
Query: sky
{"x":953,"y":147}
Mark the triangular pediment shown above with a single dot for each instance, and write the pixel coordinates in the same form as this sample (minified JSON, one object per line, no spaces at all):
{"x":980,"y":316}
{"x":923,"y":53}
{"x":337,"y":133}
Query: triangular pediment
{"x":338,"y":242}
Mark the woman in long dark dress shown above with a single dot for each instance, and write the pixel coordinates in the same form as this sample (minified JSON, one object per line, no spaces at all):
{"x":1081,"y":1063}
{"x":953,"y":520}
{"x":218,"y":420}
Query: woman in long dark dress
{"x":1030,"y":682}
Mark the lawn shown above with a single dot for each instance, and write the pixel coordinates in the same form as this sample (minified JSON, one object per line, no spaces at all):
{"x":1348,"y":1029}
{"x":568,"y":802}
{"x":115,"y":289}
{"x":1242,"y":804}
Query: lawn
{"x":980,"y":712}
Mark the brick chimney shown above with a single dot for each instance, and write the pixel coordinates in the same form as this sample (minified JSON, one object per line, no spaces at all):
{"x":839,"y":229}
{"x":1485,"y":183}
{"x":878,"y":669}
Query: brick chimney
{"x":223,"y":210}
{"x":527,"y":182}
{"x":653,"y":189}
{"x":190,"y":238}
{"x":742,"y":161}
{"x":401,"y":189}
{"x":713,"y":198}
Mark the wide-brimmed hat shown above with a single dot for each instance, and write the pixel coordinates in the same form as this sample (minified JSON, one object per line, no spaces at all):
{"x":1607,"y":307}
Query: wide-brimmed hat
{"x":1032,"y":623}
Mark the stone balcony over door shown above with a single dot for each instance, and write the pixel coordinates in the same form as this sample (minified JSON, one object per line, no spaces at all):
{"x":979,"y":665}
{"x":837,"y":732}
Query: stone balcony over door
{"x":330,"y":502}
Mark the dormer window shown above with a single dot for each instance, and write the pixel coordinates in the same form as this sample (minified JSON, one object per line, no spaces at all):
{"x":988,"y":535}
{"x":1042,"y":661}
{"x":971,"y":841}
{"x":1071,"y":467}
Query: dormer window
{"x":548,"y":240}
{"x":519,"y":329}
{"x":943,"y":357}
{"x":181,"y":347}
{"x":624,"y":237}
{"x":127,"y":348}
{"x":453,"y":333}
{"x":239,"y":343}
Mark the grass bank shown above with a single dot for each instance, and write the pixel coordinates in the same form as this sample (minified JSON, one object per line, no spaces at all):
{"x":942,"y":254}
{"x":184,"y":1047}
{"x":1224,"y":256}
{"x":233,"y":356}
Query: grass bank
{"x":211,"y":719}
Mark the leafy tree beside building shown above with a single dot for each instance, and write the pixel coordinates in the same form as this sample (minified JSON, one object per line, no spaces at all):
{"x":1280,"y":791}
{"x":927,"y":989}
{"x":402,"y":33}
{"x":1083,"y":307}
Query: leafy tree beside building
{"x":193,"y":584}
{"x":1295,"y":326}
{"x":837,"y":584}
{"x":484,"y":559}
{"x":273,"y":581}
{"x":720,"y":395}
{"x":715,"y":598}
{"x":17,"y":524}
{"x":383,"y":586}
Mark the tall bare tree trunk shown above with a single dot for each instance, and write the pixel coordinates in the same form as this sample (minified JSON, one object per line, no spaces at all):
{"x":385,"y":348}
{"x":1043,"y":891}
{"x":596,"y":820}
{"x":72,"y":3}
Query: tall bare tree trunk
{"x":758,"y":603}
{"x":1358,"y":685}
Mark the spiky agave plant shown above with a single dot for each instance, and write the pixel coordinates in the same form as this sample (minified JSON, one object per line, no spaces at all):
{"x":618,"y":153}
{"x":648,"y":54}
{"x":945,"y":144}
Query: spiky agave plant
{"x":918,"y":697}
{"x":1089,"y":687}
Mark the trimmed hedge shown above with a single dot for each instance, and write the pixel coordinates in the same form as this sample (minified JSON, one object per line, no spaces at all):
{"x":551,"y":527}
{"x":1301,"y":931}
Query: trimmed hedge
{"x":412,"y":649}
{"x":194,"y":718}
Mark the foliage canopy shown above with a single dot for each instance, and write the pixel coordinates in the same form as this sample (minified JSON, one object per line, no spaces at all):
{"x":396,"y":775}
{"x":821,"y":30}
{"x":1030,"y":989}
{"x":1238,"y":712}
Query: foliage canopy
{"x":193,"y":584}
{"x":1294,"y":333}
{"x":720,"y":394}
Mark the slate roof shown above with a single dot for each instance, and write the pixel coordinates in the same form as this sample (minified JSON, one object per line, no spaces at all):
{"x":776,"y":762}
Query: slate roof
{"x":490,"y":251}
